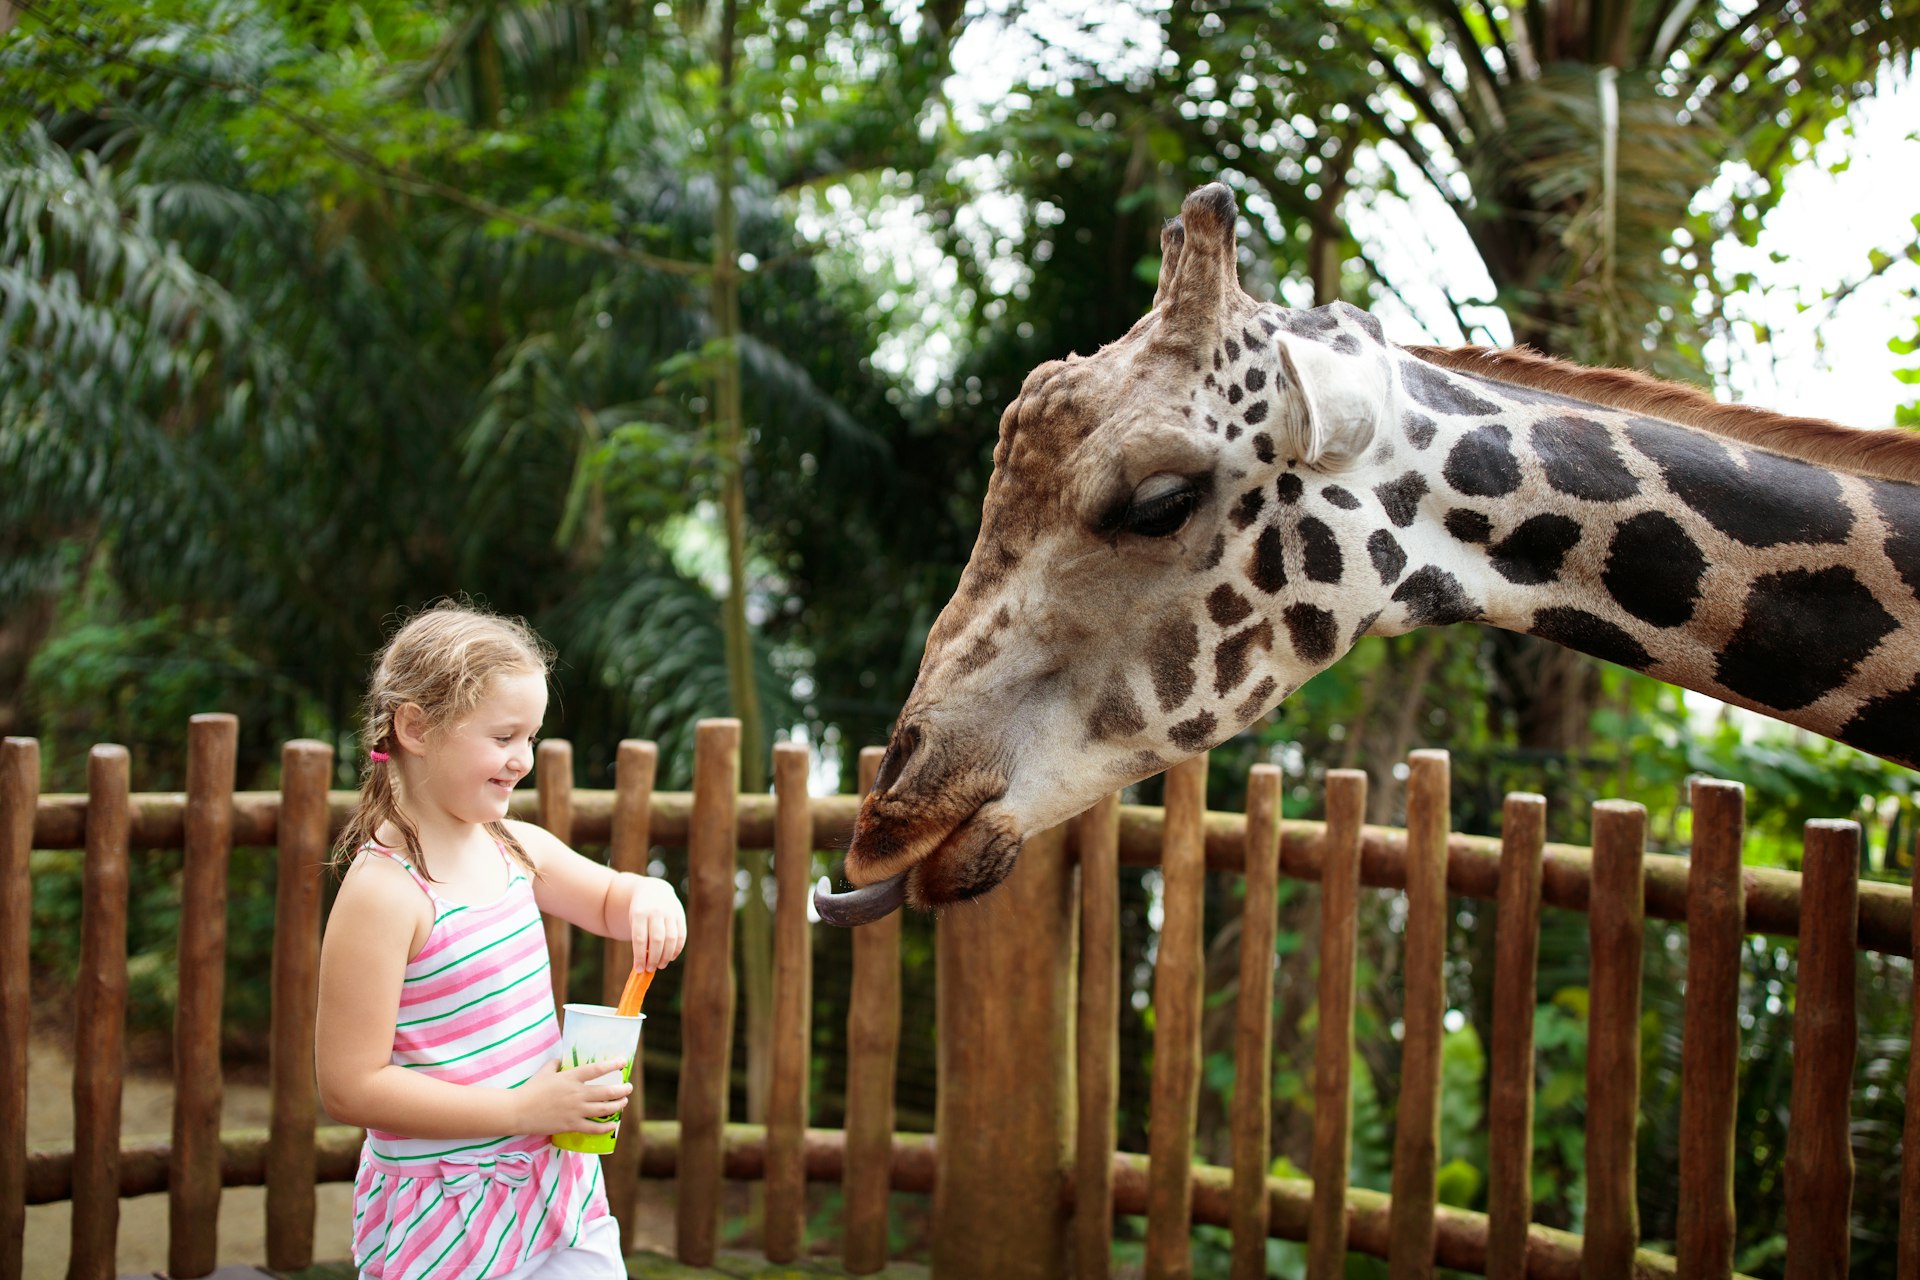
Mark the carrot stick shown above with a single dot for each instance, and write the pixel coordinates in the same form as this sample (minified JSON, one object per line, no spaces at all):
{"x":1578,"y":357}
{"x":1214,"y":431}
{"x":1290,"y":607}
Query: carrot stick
{"x":634,"y":992}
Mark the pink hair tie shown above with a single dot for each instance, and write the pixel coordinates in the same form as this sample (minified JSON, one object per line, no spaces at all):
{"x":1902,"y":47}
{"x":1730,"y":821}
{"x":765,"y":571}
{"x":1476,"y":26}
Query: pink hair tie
{"x":378,"y":757}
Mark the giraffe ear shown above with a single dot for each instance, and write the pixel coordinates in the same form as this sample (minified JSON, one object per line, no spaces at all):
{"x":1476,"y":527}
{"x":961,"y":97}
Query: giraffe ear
{"x":1344,"y":397}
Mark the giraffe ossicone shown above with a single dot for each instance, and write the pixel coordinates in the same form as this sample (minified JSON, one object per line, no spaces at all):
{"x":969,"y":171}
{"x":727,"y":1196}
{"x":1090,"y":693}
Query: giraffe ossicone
{"x":1184,"y":527}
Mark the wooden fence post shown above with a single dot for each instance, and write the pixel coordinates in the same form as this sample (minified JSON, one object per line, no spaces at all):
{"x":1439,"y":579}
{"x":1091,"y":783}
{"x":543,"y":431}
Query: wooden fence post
{"x":1253,"y":1030}
{"x":783,"y":1231}
{"x":1616,"y":927}
{"x":1333,"y":1043}
{"x":306,"y":767}
{"x":553,"y":782}
{"x":1097,"y":1039}
{"x":873,"y":1046}
{"x":1004,"y":1123}
{"x":100,"y":1020}
{"x":706,"y":989}
{"x":1710,"y":1035}
{"x":1416,"y":1138}
{"x":19,"y":801}
{"x":1819,"y":1142}
{"x":193,"y":1169}
{"x":629,"y":837}
{"x":1179,"y":979}
{"x":1908,"y":1265}
{"x":1523,"y":833}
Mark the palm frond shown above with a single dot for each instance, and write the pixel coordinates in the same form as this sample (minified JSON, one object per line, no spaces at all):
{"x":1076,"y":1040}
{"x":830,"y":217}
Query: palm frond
{"x":647,"y":642}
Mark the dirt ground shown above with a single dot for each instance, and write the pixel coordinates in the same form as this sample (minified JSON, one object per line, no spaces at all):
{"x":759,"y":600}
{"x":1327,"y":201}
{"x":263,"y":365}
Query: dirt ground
{"x":146,"y":1115}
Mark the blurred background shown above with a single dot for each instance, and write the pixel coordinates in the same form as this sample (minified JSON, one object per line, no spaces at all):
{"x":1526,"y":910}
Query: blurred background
{"x":683,"y":330}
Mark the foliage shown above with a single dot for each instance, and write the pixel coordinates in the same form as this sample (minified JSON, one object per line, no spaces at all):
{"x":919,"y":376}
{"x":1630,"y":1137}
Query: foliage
{"x":1908,"y":415}
{"x":512,"y":407}
{"x":312,"y":313}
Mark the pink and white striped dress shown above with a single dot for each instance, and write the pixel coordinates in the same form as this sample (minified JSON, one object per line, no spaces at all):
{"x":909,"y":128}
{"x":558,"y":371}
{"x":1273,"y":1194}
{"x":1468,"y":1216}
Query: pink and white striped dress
{"x":476,"y":1008}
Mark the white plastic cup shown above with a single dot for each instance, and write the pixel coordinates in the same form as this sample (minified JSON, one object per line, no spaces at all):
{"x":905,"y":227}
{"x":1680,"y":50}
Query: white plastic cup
{"x":595,"y":1033}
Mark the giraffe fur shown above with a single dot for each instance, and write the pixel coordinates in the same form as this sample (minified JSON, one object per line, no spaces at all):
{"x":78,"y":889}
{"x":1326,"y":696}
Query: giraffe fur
{"x":1184,"y":527}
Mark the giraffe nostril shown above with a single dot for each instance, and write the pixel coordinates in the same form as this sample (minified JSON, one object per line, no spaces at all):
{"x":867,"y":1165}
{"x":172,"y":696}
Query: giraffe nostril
{"x":905,"y":742}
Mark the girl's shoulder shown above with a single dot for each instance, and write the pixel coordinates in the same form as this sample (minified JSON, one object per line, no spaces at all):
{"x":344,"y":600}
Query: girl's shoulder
{"x":539,"y":842}
{"x":380,"y":893}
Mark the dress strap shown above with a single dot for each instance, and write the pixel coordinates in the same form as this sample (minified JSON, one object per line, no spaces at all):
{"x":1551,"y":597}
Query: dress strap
{"x":516,"y":870}
{"x":413,"y":872}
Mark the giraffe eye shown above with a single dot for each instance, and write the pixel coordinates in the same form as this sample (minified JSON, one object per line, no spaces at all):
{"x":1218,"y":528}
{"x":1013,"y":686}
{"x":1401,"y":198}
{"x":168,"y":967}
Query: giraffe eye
{"x":1162,"y":515}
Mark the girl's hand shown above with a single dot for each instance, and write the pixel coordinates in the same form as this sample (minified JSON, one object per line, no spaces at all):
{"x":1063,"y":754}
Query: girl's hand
{"x":564,"y":1102}
{"x":656,"y":922}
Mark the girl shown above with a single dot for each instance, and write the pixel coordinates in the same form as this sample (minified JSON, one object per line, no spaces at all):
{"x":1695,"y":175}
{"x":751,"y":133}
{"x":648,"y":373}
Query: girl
{"x":436,"y":1026}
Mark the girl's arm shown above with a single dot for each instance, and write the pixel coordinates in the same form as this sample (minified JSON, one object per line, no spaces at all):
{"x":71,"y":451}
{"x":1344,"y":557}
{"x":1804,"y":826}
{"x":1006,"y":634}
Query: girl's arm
{"x":613,"y":905}
{"x":363,"y":962}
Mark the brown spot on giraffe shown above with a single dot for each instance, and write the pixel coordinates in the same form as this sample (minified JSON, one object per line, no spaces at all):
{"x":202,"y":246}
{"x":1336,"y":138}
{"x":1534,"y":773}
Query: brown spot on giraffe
{"x":1234,"y":655}
{"x":1171,"y":653}
{"x":1746,"y":554}
{"x":1116,"y":714}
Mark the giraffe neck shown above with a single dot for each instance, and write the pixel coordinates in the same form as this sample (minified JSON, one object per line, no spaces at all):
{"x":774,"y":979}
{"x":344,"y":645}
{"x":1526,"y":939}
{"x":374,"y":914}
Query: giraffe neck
{"x":1764,"y":580}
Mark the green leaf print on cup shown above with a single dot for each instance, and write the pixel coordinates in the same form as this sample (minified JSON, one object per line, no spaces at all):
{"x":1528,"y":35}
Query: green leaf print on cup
{"x":595,"y":1033}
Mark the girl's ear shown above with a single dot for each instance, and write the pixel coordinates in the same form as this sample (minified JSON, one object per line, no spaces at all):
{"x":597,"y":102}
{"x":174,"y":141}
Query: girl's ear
{"x":410,"y":727}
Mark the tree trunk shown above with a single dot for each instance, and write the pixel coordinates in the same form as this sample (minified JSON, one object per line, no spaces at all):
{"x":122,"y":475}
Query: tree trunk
{"x":1327,"y":240}
{"x":1385,"y":792}
{"x":756,"y":935}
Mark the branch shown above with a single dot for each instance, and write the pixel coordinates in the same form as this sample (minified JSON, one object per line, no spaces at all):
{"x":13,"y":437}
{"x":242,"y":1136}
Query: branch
{"x":1424,"y":55}
{"x":1373,"y":270}
{"x":1485,"y":83}
{"x":1407,"y":143}
{"x":387,"y":174}
{"x":1459,"y":132}
{"x":1664,"y":35}
{"x":1520,"y":41}
{"x":1761,"y":12}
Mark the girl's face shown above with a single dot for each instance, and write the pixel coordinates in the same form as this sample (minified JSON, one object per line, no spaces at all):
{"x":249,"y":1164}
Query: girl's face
{"x":476,"y":761}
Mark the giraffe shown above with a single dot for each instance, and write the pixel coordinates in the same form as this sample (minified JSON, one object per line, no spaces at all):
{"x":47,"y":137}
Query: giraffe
{"x":1184,"y":527}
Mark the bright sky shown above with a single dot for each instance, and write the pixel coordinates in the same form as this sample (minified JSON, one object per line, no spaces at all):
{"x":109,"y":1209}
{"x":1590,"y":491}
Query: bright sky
{"x":1823,"y":360}
{"x":1833,"y":361}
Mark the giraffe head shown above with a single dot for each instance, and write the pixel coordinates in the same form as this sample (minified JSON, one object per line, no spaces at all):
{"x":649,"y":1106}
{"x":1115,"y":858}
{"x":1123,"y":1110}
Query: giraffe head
{"x":1131,"y":599}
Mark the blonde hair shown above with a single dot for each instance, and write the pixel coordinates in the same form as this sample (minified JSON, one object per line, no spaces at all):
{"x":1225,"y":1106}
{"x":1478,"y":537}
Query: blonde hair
{"x":442,"y":660}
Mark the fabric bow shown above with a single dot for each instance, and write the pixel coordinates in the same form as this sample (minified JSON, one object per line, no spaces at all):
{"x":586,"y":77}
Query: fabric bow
{"x":465,"y":1173}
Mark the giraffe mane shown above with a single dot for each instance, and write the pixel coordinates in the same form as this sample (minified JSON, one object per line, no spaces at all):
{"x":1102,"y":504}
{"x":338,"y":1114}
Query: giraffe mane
{"x":1889,"y":454}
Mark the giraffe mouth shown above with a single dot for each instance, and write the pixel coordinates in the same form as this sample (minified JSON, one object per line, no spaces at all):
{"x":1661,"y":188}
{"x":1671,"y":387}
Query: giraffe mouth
{"x":965,"y":862}
{"x":863,"y":905}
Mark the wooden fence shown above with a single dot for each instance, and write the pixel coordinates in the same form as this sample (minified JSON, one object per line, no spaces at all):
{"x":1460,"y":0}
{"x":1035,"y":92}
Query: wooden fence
{"x":1022,"y":1168}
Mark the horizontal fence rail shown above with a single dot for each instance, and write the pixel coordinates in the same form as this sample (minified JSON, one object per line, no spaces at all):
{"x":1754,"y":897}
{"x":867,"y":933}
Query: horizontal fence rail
{"x":1026,"y":1137}
{"x":1473,"y":862}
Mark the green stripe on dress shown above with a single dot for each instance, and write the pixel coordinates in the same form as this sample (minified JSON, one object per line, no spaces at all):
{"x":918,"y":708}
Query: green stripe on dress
{"x":546,"y":1015}
{"x":532,"y":971}
{"x":380,"y":1184}
{"x":465,"y":1221}
{"x":546,"y":1204}
{"x":506,"y":1229}
{"x":422,"y":977}
{"x":396,"y":1238}
{"x":580,"y":1221}
{"x":431,"y":1155}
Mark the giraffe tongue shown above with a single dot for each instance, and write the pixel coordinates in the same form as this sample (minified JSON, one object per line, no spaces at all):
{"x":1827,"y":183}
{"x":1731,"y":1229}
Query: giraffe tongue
{"x":860,"y":906}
